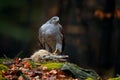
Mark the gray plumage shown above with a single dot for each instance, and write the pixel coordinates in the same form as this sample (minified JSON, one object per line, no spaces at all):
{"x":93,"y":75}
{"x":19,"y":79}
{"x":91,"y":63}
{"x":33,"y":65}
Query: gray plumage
{"x":51,"y":35}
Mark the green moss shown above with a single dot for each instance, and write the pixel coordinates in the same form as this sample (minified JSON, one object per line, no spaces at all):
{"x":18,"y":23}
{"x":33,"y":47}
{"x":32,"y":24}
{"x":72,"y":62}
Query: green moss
{"x":1,"y":78}
{"x":89,"y":79}
{"x":3,"y":67}
{"x":116,"y":78}
{"x":4,"y":60}
{"x":33,"y":65}
{"x":52,"y":65}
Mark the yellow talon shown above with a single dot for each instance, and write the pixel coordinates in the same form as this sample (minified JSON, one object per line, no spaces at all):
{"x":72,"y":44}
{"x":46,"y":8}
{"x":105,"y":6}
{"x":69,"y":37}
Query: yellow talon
{"x":55,"y":51}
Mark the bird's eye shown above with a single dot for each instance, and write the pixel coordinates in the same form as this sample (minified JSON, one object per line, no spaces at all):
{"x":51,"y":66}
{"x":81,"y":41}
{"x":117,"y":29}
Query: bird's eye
{"x":54,"y":18}
{"x":44,"y":55}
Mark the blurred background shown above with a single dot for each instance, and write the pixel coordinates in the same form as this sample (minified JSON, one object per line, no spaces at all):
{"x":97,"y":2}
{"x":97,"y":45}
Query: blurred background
{"x":92,"y":30}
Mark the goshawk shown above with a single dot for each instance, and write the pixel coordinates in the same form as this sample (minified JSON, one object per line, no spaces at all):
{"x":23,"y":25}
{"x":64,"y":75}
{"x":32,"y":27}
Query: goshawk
{"x":51,"y":36}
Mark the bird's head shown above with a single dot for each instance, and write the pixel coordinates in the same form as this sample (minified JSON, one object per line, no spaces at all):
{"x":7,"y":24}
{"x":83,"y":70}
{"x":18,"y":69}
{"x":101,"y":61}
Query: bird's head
{"x":54,"y":20}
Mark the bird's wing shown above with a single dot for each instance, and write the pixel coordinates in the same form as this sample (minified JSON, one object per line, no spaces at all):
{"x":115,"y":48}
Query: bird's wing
{"x":41,"y":38}
{"x":62,"y":36}
{"x":61,"y":29}
{"x":42,"y":34}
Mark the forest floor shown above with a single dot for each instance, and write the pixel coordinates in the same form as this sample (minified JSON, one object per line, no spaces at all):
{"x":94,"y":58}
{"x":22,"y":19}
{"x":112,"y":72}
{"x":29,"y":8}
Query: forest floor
{"x":18,"y":69}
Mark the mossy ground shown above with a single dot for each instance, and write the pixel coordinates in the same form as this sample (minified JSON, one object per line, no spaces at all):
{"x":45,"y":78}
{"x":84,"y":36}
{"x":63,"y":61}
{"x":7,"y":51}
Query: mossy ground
{"x":52,"y":65}
{"x":2,"y":68}
{"x":49,"y":64}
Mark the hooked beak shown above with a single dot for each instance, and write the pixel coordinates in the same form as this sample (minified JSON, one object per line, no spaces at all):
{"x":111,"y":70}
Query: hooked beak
{"x":58,"y":21}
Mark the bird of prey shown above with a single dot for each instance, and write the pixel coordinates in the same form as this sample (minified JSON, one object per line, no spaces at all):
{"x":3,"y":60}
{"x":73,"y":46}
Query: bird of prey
{"x":51,"y":36}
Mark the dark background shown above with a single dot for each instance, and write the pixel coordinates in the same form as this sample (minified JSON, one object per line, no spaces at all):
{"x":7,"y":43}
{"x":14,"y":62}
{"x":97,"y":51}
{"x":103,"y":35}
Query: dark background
{"x":92,"y":30}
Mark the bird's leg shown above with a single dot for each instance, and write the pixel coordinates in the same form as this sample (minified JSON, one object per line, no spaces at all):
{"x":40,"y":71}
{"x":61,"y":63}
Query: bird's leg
{"x":55,"y":51}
